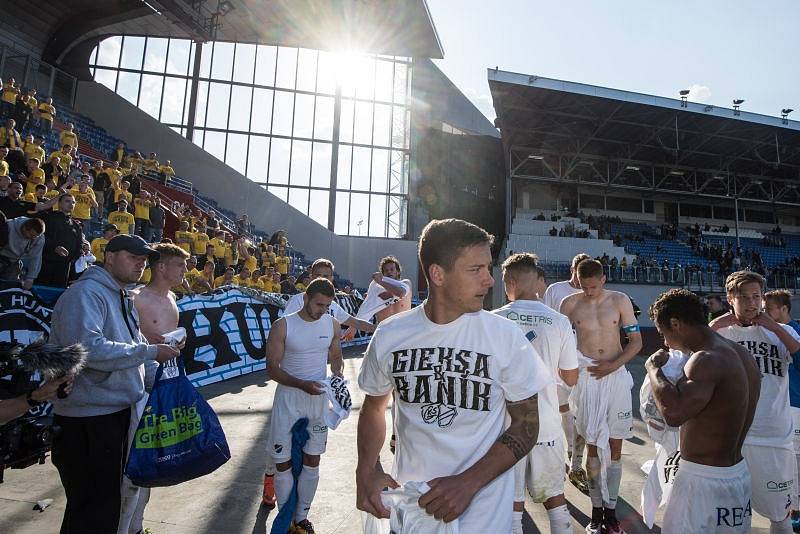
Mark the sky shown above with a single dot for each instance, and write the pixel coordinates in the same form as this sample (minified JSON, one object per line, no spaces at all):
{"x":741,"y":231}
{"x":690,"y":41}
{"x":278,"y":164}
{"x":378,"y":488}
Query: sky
{"x":720,"y":50}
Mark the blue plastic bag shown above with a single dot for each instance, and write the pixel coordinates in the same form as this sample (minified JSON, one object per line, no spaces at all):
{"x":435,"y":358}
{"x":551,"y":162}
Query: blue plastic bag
{"x":179,"y":437}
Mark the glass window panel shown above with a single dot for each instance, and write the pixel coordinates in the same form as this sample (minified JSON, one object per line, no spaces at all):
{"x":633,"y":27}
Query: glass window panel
{"x":93,"y":57}
{"x":343,"y":170}
{"x":377,"y":215}
{"x":155,"y":56}
{"x":366,"y":79}
{"x":240,"y":108}
{"x":106,"y":77}
{"x":363,"y":123}
{"x":198,"y":137}
{"x":150,"y":94}
{"x":301,"y":163}
{"x":303,"y":116}
{"x":280,"y":192}
{"x":398,"y":207}
{"x":326,"y":73}
{"x":287,"y":66}
{"x":243,"y":65}
{"x":346,"y":121}
{"x":218,"y":97}
{"x":202,"y":98}
{"x":383,"y":125}
{"x":306,"y":69}
{"x":282,"y":114}
{"x":222,"y":64}
{"x":262,"y":111}
{"x":236,"y":151}
{"x":265,"y":65}
{"x":400,"y":82}
{"x":298,"y":199}
{"x":399,"y":127}
{"x":359,"y":214}
{"x":342,"y":213}
{"x":205,"y":60}
{"x":215,"y":144}
{"x":108,"y":54}
{"x":384,"y":80}
{"x":318,"y":206}
{"x":257,"y":158}
{"x":279,"y":161}
{"x":356,"y":73}
{"x":172,"y":105}
{"x":323,"y":118}
{"x":132,"y":53}
{"x":380,"y":171}
{"x":176,"y":129}
{"x":178,"y":60}
{"x":361,"y":168}
{"x":321,"y":165}
{"x":128,"y":86}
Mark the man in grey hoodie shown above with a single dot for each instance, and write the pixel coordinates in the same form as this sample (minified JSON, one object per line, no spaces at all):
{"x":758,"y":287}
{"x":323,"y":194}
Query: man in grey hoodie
{"x":90,"y":452}
{"x":24,"y":247}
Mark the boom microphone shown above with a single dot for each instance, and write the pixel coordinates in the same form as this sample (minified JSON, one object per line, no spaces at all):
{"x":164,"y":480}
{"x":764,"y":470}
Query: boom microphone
{"x":24,"y":368}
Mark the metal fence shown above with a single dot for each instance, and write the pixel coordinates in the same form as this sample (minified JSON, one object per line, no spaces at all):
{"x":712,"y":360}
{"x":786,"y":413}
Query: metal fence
{"x":33,"y":73}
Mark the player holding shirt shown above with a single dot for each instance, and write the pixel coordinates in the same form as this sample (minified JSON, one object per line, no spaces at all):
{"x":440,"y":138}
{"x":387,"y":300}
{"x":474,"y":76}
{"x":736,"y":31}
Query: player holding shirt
{"x":768,"y":447}
{"x":457,"y":373}
{"x":551,"y":335}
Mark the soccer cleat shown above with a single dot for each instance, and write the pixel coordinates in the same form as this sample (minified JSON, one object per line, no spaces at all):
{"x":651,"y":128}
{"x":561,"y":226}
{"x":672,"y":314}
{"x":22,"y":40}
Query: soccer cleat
{"x":610,"y":523}
{"x":303,"y":527}
{"x":596,"y":525}
{"x":578,"y":479}
{"x":796,"y":522}
{"x":268,"y":498}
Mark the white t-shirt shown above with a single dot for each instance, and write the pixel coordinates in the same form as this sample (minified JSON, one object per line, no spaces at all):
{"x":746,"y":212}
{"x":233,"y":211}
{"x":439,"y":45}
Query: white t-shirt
{"x":295,"y":304}
{"x":557,"y":292}
{"x":305,"y":354}
{"x":551,"y":335}
{"x":451,"y":383}
{"x":373,"y":303}
{"x":772,"y":422}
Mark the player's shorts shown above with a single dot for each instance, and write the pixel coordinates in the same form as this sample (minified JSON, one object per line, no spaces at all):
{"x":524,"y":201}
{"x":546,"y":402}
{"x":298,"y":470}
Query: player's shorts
{"x":773,"y":470}
{"x":606,"y":400}
{"x":563,"y":391}
{"x":542,"y":471}
{"x":705,"y":498}
{"x":289,"y":405}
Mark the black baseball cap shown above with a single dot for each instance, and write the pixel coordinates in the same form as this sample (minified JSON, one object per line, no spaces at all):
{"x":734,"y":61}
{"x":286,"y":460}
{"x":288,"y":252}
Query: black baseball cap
{"x":133,"y":244}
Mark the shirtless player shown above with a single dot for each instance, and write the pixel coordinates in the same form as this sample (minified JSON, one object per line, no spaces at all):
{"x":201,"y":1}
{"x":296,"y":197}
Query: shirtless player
{"x":159,"y":315}
{"x":713,"y":403}
{"x":601,"y":400}
{"x":390,"y":268}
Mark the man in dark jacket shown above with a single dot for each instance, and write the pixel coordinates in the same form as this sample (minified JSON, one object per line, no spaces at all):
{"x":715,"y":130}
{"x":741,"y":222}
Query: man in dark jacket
{"x":63,"y":238}
{"x":12,"y":205}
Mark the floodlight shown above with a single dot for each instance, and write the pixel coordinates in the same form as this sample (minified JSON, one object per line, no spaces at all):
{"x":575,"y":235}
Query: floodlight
{"x":676,"y":173}
{"x":738,"y":101}
{"x":785,"y":114}
{"x":684,"y":97}
{"x":631,"y":168}
{"x":684,"y":92}
{"x":532,"y":156}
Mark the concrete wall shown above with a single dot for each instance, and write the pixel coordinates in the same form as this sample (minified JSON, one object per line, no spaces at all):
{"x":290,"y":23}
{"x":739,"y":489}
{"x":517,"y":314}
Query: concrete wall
{"x":355,"y":257}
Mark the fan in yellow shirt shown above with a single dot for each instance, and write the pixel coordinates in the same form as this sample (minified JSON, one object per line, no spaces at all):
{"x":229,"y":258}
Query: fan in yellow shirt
{"x":64,"y":157}
{"x":68,"y":137}
{"x":184,"y":238}
{"x":243,"y":278}
{"x":226,"y":279}
{"x":167,"y":170}
{"x":189,"y":278}
{"x":35,"y":176}
{"x":255,"y":281}
{"x":10,"y":92}
{"x":204,"y":282}
{"x":302,"y":284}
{"x":250,"y":261}
{"x":99,"y":244}
{"x":46,"y":113}
{"x":141,"y":206}
{"x":274,"y":285}
{"x":219,"y":245}
{"x":33,"y":150}
{"x":84,"y":201}
{"x":282,"y":262}
{"x":151,"y":163}
{"x":200,"y":240}
{"x":121,"y":218}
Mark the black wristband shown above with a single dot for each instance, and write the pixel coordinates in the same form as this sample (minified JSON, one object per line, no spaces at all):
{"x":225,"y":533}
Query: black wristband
{"x":32,"y":403}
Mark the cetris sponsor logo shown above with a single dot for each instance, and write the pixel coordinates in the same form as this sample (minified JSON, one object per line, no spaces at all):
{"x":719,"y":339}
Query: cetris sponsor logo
{"x":786,"y":485}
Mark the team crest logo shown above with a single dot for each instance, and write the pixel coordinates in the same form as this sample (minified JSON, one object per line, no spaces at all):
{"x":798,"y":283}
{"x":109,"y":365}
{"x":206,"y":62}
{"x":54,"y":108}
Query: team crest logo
{"x":440,"y":414}
{"x":531,"y":335}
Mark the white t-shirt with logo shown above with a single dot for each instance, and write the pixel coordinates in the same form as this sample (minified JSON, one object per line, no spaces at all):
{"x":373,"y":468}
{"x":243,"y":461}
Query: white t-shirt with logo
{"x":451,"y":383}
{"x":557,"y":292}
{"x":772,"y":422}
{"x":295,"y":304}
{"x":551,"y":335}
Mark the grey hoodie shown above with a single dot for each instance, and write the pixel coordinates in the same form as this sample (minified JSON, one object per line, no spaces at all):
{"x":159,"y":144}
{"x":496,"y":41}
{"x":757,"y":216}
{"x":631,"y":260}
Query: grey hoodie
{"x":20,"y":247}
{"x":96,"y":312}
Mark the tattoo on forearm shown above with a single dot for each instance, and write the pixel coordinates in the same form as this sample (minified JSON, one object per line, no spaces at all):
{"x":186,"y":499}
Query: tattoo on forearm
{"x":524,"y":429}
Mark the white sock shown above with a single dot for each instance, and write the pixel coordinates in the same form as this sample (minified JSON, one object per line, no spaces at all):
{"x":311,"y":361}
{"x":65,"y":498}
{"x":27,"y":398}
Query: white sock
{"x":516,"y":525}
{"x":614,"y":477}
{"x":578,"y":445}
{"x":560,"y":522}
{"x":284,"y":481}
{"x":307,"y":484}
{"x":270,"y":468}
{"x":568,"y":424}
{"x":781,"y":527}
{"x":593,"y":474}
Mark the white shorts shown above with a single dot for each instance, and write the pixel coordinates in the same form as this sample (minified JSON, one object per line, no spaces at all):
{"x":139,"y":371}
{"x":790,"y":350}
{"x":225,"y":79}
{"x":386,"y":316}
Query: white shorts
{"x":542,"y":470}
{"x":618,"y":415}
{"x":705,"y":498}
{"x":563,"y":391}
{"x":289,"y":405}
{"x":796,"y":423}
{"x":773,"y":471}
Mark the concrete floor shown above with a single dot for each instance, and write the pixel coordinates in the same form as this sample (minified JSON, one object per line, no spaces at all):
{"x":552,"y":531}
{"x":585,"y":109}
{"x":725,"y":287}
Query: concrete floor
{"x":228,"y":501}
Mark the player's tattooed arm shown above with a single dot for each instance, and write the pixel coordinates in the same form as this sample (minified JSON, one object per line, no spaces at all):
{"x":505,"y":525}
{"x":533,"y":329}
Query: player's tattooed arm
{"x":524,"y":429}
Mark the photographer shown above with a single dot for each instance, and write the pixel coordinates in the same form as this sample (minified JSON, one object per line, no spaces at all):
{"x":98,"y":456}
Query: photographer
{"x":25,"y":242}
{"x":90,"y":452}
{"x":12,"y":408}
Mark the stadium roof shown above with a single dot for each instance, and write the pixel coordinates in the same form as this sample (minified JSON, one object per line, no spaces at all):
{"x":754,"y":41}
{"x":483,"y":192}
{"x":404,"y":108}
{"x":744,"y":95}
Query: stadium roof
{"x":556,"y":130}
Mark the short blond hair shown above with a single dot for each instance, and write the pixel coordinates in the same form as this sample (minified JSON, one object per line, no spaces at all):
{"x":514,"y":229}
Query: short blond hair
{"x":736,"y":280}
{"x":167,"y":251}
{"x":781,"y":297}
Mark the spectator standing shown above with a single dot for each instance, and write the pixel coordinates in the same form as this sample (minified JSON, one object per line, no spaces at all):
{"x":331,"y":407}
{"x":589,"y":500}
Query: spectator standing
{"x":282,"y":263}
{"x":122,"y":218}
{"x":100,"y":185}
{"x":46,"y":113}
{"x":9,"y":97}
{"x":167,"y":172}
{"x":157,"y":220}
{"x":121,"y":192}
{"x":99,"y":244}
{"x":62,"y":245}
{"x":151,"y":164}
{"x":135,"y":186}
{"x":200,"y":238}
{"x":212,"y":225}
{"x":9,"y":136}
{"x":64,"y":158}
{"x":68,"y":136}
{"x":89,"y":453}
{"x":12,"y":205}
{"x":84,"y":200}
{"x":22,"y":112}
{"x":24,"y":247}
{"x":118,"y":155}
{"x":141,"y":213}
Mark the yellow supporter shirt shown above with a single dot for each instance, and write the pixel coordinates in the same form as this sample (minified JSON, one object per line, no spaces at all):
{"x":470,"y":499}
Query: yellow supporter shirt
{"x":230,"y":257}
{"x":32,"y":150}
{"x":10,"y":94}
{"x":219,"y":247}
{"x":220,"y":281}
{"x":121,"y":193}
{"x":251,"y":263}
{"x":68,"y":138}
{"x":83,"y":204}
{"x":255,"y":284}
{"x":269,"y":259}
{"x":99,"y":248}
{"x":46,"y":111}
{"x":3,"y":168}
{"x":123,"y":220}
{"x":113,"y":175}
{"x":64,"y":159}
{"x":166,"y":170}
{"x":197,"y":287}
{"x":151,"y":164}
{"x":33,"y":103}
{"x":30,"y":197}
{"x":271,"y":286}
{"x":282,"y":264}
{"x":184,"y":240}
{"x":141,"y":209}
{"x":200,"y":240}
{"x":38,"y":175}
{"x":300,"y":286}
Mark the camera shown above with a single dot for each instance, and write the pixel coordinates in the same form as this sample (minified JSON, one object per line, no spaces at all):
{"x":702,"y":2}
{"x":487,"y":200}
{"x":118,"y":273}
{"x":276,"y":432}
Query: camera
{"x":26,"y":440}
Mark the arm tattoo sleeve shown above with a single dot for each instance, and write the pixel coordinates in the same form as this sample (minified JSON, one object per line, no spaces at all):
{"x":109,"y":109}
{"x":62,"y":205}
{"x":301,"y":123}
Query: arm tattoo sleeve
{"x":524,"y":429}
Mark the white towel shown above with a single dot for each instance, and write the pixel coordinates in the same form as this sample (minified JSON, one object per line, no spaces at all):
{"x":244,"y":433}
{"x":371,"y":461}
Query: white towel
{"x":339,"y":401}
